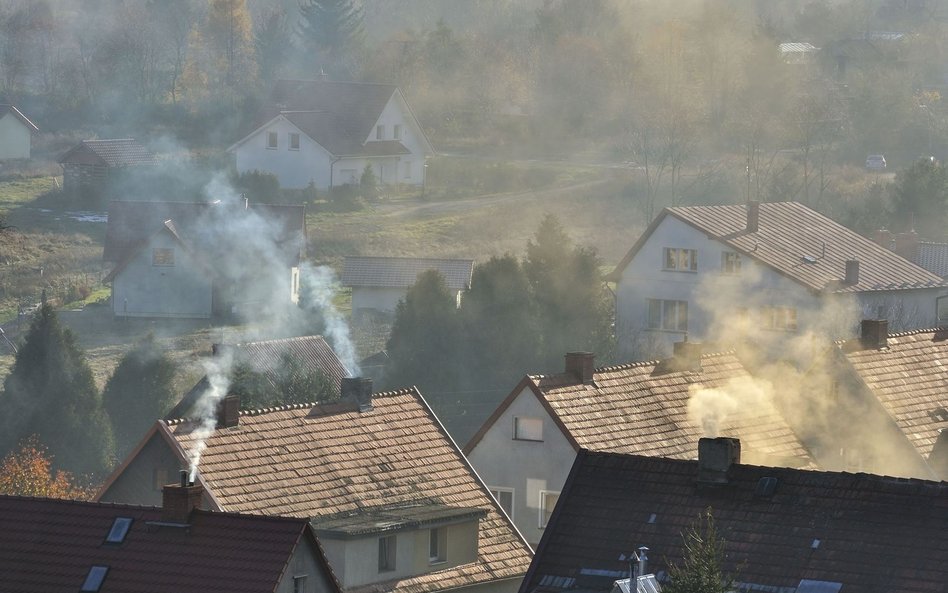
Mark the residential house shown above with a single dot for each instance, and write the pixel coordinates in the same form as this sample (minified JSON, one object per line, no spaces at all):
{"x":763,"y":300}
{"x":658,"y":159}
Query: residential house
{"x":92,"y":165}
{"x":378,"y":283}
{"x":16,"y":133}
{"x":931,"y":255}
{"x":196,"y":260}
{"x":394,"y":503}
{"x":784,"y":530}
{"x":658,"y":408}
{"x":67,"y":545}
{"x":766,"y":271}
{"x":324,"y":133}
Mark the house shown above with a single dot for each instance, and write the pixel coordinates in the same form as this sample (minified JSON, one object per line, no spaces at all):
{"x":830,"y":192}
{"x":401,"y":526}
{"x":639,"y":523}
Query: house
{"x":766,"y":272}
{"x":931,"y":255}
{"x":394,"y":503}
{"x":378,"y":283}
{"x":324,"y":133}
{"x":16,"y":133}
{"x":785,"y":530}
{"x":67,"y":545}
{"x":266,"y":356}
{"x":658,"y":408}
{"x":196,"y":260}
{"x":90,"y":167}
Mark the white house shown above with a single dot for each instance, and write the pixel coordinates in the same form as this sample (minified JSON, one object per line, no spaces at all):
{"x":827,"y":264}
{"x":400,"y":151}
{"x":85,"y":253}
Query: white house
{"x":525,"y":449}
{"x":324,"y":133}
{"x":16,"y":133}
{"x":726,"y":273}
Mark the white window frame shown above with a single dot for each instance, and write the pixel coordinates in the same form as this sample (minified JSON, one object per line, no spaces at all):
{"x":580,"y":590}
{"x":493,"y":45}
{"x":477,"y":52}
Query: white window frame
{"x":679,"y":259}
{"x":666,"y":315}
{"x":380,"y":132}
{"x":730,"y":262}
{"x":495,"y":491}
{"x":544,"y":517}
{"x":524,"y":430}
{"x":294,"y":138}
{"x":273,"y":140}
{"x":438,"y":541}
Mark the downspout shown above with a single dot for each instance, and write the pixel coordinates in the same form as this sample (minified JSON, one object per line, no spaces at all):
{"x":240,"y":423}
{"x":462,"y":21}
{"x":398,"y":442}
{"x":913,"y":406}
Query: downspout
{"x":332,"y":165}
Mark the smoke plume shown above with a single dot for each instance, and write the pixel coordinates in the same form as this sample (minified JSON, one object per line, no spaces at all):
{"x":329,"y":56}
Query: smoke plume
{"x":218,"y":377}
{"x":320,"y":284}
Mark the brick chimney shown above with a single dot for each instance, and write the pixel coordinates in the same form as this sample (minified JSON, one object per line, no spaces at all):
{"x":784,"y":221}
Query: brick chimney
{"x":715,"y":458}
{"x":228,"y":412}
{"x":686,"y":355}
{"x":581,"y":365}
{"x":753,"y":216}
{"x":874,"y":333}
{"x":357,"y":390}
{"x":178,"y":500}
{"x":852,"y":272}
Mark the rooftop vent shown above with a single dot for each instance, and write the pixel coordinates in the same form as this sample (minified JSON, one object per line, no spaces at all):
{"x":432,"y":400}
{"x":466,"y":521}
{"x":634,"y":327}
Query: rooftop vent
{"x":178,"y":500}
{"x":715,"y":458}
{"x":852,"y":272}
{"x":581,"y":365}
{"x":753,"y":216}
{"x":874,"y":333}
{"x":228,"y":412}
{"x":357,"y":390}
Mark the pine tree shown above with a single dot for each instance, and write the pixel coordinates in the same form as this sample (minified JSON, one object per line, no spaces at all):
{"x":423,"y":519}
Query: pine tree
{"x":328,"y":30}
{"x":701,"y":570}
{"x":50,"y":392}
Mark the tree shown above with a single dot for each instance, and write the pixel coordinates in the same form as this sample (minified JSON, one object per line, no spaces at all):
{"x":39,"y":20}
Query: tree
{"x":221,"y":55}
{"x":273,"y":44}
{"x":328,"y":30}
{"x":368,"y":184}
{"x":701,"y":570}
{"x":140,"y":391}
{"x":50,"y":392}
{"x":27,"y":471}
{"x":920,"y":198}
{"x":291,"y":382}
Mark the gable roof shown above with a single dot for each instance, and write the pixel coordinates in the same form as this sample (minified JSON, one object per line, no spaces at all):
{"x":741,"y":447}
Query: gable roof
{"x":789,"y":232}
{"x":50,"y":545}
{"x":868,"y":533}
{"x":909,"y":378}
{"x":325,"y":460}
{"x":11,"y":109}
{"x":113,"y":152}
{"x":642,"y":408}
{"x":402,"y":272}
{"x":131,"y":222}
{"x":933,"y":257}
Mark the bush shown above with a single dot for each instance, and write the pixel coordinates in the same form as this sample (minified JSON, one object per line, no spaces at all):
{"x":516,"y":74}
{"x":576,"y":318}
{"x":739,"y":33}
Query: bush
{"x":346,"y":198}
{"x":259,"y":186}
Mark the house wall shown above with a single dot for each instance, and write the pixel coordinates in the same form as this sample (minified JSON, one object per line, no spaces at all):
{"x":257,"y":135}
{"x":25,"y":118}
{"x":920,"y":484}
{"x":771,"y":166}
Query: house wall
{"x":396,"y":112}
{"x":904,"y":309}
{"x":386,"y":169}
{"x":294,"y":169}
{"x":528,"y":467}
{"x":141,"y":481}
{"x":146,"y":290}
{"x":304,"y":562}
{"x":80,"y":177}
{"x":15,"y":138}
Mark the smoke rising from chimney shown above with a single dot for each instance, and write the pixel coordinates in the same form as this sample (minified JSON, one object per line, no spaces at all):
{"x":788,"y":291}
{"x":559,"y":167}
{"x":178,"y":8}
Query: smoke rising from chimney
{"x":218,"y":376}
{"x":321,"y":284}
{"x":712,"y":407}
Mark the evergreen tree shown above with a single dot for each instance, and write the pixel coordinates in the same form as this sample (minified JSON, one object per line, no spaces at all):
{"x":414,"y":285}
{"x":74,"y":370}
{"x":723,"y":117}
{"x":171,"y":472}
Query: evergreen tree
{"x":291,"y":382}
{"x":701,"y":570}
{"x":50,"y":392}
{"x":920,"y":198}
{"x":140,"y":391}
{"x":328,"y":31}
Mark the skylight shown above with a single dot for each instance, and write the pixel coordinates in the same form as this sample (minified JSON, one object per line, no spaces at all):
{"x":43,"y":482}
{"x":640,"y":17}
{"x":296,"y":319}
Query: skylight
{"x":94,"y":579}
{"x":119,"y":530}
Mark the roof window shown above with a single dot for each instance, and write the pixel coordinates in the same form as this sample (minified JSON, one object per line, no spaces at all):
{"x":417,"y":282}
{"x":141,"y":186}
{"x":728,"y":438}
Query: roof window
{"x":765,"y":487}
{"x":95,"y":577}
{"x":119,"y":530}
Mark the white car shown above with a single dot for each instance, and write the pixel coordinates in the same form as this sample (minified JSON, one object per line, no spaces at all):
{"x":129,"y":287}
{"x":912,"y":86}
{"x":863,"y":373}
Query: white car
{"x":875,"y":162}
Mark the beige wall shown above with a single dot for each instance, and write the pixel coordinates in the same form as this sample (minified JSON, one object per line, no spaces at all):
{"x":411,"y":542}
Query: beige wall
{"x":137,"y":484}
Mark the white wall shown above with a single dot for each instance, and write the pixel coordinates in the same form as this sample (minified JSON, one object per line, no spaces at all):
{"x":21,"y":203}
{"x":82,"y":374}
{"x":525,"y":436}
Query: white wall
{"x":904,"y":309}
{"x":396,"y":113}
{"x":295,"y":169}
{"x":526,"y":466}
{"x":15,"y":138}
{"x":304,"y":563}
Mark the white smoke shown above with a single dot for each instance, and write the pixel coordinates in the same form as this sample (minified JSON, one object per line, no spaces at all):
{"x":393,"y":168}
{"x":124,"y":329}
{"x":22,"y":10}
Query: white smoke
{"x":321,"y":286}
{"x":218,"y":377}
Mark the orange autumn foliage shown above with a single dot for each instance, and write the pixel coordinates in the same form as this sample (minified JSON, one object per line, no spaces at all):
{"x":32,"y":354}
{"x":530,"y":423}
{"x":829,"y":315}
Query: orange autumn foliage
{"x":28,"y":472}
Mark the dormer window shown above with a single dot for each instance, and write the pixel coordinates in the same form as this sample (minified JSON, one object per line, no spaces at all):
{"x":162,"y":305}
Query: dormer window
{"x":380,"y":132}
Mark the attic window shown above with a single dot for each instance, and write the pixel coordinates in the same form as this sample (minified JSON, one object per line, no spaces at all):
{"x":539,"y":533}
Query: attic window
{"x":528,"y":429}
{"x":271,"y":140}
{"x":380,"y":132}
{"x":95,"y":577}
{"x":119,"y":530}
{"x":294,"y":141}
{"x":162,"y":256}
{"x":397,"y":132}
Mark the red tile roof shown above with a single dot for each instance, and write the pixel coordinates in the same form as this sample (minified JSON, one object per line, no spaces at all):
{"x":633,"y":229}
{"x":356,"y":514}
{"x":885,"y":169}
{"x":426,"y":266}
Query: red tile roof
{"x":869,"y":533}
{"x":402,"y":272}
{"x":801,"y":244}
{"x":50,"y":545}
{"x":643,"y":408}
{"x":115,"y":152}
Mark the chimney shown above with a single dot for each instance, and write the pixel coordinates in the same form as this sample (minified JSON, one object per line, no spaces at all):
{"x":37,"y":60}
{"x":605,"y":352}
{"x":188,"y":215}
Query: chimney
{"x":357,"y":390}
{"x":874,"y":334}
{"x":687,"y":355}
{"x":852,"y":272}
{"x":178,"y":500}
{"x":906,"y":245}
{"x":643,"y":563}
{"x":753,"y":216}
{"x":884,"y":237}
{"x":228,"y":412}
{"x":715,"y":457}
{"x":938,"y":458}
{"x":582,"y":365}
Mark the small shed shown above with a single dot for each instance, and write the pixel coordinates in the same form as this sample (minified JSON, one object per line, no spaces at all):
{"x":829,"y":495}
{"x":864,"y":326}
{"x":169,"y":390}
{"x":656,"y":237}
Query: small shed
{"x":89,"y":166}
{"x":16,"y":133}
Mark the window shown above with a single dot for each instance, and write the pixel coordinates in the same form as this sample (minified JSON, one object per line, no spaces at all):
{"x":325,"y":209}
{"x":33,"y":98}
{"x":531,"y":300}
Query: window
{"x":294,"y":141}
{"x":162,"y":256}
{"x":547,"y":502}
{"x":407,"y":170}
{"x":380,"y":132}
{"x":504,"y":497}
{"x":299,"y":584}
{"x":119,"y":530}
{"x":397,"y":132}
{"x":387,"y":553}
{"x":668,"y":315}
{"x":94,"y":579}
{"x":730,"y":262}
{"x":438,"y":544}
{"x":528,"y":429}
{"x":780,"y":318}
{"x":680,"y":260}
{"x":271,"y":140}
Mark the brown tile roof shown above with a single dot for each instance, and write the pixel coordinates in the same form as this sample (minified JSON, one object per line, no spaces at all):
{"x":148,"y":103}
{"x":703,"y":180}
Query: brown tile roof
{"x":801,"y":244}
{"x":642,"y":408}
{"x":317,"y":461}
{"x":50,"y":545}
{"x":401,"y":272}
{"x":910,"y":379}
{"x":6,"y":108}
{"x":870,"y":533}
{"x":116,"y":152}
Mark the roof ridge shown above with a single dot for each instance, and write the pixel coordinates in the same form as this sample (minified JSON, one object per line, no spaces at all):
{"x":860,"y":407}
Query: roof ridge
{"x":635,"y":364}
{"x":910,"y":332}
{"x":277,"y":340}
{"x":75,"y":501}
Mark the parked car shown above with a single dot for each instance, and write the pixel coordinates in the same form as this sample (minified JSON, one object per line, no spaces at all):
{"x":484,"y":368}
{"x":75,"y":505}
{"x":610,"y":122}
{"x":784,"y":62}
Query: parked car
{"x":875,"y":162}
